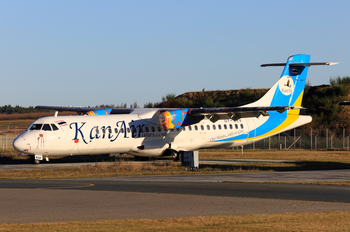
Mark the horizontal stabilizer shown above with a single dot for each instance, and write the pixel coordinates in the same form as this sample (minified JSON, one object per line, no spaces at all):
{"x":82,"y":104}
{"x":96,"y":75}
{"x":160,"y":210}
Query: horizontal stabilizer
{"x":300,"y":64}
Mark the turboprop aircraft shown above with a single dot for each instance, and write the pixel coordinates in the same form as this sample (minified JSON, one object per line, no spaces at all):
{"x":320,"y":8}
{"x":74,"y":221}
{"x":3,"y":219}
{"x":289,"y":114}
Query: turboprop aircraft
{"x":149,"y":132}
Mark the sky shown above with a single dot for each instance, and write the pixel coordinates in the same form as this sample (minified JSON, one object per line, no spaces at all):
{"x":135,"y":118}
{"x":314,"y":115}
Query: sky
{"x":88,"y":53}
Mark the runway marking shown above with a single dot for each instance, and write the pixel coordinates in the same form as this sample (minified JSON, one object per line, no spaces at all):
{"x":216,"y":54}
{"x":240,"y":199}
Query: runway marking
{"x":52,"y":184}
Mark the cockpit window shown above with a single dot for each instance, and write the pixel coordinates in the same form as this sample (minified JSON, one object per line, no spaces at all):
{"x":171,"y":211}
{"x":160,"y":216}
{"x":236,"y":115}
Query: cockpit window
{"x":54,"y":127}
{"x":46,"y":127}
{"x":36,"y":127}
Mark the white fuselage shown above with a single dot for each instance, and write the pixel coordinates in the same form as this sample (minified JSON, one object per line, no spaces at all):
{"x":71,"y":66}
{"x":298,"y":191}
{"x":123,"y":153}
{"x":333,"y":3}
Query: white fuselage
{"x":138,"y":134}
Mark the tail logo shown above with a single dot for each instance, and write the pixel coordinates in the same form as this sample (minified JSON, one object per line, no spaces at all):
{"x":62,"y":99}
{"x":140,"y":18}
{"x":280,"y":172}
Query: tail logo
{"x":286,"y":85}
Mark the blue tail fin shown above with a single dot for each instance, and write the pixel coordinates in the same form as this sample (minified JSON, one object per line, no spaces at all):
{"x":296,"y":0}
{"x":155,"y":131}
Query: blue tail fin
{"x":289,"y":89}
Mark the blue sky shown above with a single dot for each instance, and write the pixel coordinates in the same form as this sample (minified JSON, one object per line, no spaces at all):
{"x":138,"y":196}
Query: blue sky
{"x":87,"y":53}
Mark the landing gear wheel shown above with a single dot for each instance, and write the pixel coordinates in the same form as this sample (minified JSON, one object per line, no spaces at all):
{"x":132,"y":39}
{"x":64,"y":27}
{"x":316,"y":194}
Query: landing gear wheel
{"x":33,"y":160}
{"x":175,"y":156}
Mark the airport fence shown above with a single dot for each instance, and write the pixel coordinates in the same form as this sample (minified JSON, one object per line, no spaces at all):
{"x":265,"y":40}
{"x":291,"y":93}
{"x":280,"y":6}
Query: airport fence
{"x":293,"y":139}
{"x":322,"y":139}
{"x":6,"y":140}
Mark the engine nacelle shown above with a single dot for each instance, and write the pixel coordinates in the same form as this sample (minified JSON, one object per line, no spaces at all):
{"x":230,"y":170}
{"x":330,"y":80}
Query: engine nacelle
{"x":171,"y":119}
{"x":105,"y":111}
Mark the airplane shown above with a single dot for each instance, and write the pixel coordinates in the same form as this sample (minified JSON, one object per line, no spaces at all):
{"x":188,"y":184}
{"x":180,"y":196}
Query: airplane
{"x":154,"y":132}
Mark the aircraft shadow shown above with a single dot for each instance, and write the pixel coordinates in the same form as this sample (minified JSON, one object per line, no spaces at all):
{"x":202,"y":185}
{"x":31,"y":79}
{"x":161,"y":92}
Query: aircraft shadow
{"x":10,"y":160}
{"x":290,"y":166}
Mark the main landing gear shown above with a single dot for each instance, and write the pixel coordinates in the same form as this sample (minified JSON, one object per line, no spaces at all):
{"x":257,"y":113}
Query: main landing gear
{"x":175,"y":155}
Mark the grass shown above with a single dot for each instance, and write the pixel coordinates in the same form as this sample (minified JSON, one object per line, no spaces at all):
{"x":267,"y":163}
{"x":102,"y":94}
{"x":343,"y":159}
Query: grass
{"x":112,"y":167}
{"x":326,"y":221}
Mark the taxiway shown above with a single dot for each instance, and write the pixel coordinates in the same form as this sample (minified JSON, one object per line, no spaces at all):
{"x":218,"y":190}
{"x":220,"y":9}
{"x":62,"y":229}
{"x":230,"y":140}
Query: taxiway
{"x":52,"y":200}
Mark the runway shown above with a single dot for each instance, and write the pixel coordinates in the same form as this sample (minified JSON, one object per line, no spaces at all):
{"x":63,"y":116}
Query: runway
{"x":166,"y":197}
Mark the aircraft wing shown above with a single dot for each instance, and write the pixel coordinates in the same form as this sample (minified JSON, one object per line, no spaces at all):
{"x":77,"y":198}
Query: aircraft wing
{"x":88,"y":110}
{"x":344,"y":103}
{"x":235,"y":113}
{"x":214,"y":114}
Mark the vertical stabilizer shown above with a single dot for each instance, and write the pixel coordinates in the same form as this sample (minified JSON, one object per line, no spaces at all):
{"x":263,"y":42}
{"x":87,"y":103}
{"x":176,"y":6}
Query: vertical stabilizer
{"x":289,"y":89}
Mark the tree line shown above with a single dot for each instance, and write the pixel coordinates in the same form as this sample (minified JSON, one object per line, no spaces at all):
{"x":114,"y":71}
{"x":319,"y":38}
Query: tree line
{"x":320,"y":102}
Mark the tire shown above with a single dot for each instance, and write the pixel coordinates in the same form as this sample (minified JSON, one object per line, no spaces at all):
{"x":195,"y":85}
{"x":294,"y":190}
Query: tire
{"x":175,"y":156}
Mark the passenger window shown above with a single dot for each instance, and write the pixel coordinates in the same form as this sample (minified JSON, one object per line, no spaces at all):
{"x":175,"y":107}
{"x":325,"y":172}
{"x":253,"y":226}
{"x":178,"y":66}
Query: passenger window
{"x":121,"y":130}
{"x":110,"y":130}
{"x":146,"y":128}
{"x":219,"y":126}
{"x":202,"y":127}
{"x":103,"y":130}
{"x":231,"y":126}
{"x":36,"y":127}
{"x":46,"y":127}
{"x":225,"y":127}
{"x":178,"y":129}
{"x":183,"y":128}
{"x":54,"y":127}
{"x":214,"y":127}
{"x":153,"y":129}
{"x":159,"y":129}
{"x":190,"y":128}
{"x":116,"y":130}
{"x":128,"y":130}
{"x":196,"y":127}
{"x":208,"y":127}
{"x":242,"y":126}
{"x":97,"y":131}
{"x":236,"y":126}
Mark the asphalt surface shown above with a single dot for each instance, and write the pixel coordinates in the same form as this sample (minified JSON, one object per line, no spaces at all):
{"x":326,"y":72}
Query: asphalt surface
{"x":228,"y":189}
{"x":51,"y":200}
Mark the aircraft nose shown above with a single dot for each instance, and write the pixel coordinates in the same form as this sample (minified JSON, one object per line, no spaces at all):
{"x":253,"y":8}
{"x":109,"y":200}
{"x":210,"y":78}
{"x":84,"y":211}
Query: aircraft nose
{"x":20,"y":143}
